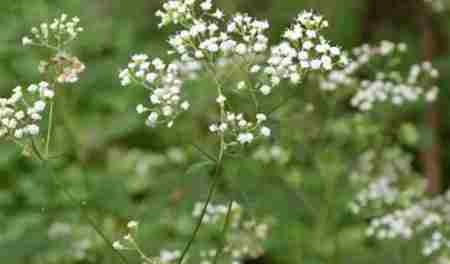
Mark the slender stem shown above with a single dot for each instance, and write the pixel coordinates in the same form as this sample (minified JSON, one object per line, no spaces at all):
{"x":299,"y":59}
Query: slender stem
{"x":212,"y":189}
{"x":49,"y":130}
{"x":140,"y":252}
{"x":224,"y":232}
{"x":216,"y":176}
{"x":46,"y":165}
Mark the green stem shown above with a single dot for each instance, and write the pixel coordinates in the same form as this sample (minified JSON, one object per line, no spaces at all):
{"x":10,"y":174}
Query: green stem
{"x":49,"y":130}
{"x":217,"y":170}
{"x":224,"y":232}
{"x":211,"y":191}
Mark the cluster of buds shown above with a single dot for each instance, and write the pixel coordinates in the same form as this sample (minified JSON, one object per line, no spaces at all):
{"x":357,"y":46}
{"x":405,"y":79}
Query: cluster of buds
{"x":240,"y":131}
{"x":54,"y":35}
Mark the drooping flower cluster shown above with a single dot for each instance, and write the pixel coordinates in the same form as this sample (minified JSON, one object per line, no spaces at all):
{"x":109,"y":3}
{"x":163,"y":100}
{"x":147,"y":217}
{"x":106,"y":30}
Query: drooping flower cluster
{"x":244,"y":238}
{"x":389,"y":86}
{"x":21,"y":113}
{"x":238,"y":130}
{"x":68,"y":67}
{"x":165,"y":101}
{"x":56,"y":36}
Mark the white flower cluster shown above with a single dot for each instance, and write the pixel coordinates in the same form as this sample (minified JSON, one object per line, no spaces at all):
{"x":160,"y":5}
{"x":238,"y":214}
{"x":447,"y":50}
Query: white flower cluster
{"x":211,"y":41}
{"x":209,"y":37}
{"x":54,"y":35}
{"x":388,"y":86}
{"x":176,"y":12}
{"x":382,"y":175}
{"x":304,"y":50}
{"x":382,"y":190}
{"x":240,"y":131}
{"x":164,"y":84}
{"x":21,"y":113}
{"x":426,"y":218}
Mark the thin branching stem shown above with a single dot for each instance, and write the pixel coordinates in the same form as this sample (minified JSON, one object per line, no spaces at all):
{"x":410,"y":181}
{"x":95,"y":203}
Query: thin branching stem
{"x":74,"y":201}
{"x":216,"y":176}
{"x":212,"y":189}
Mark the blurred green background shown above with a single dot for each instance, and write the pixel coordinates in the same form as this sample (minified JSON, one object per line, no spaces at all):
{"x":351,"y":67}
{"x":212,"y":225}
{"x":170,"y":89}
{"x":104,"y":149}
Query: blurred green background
{"x":123,"y":170}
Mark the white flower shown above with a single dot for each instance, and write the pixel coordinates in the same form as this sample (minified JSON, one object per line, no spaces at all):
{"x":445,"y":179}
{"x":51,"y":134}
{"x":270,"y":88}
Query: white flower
{"x":432,"y":94}
{"x":18,"y":133}
{"x":241,"y":85}
{"x":241,"y":49}
{"x":33,"y":129}
{"x":140,"y":109}
{"x":132,"y":224}
{"x":244,"y":138}
{"x":118,"y":246}
{"x":265,"y":131}
{"x":213,"y":128}
{"x":221,"y":100}
{"x":265,"y":89}
{"x":151,"y":77}
{"x":167,"y":110}
{"x":261,"y":117}
{"x":26,"y":41}
{"x":185,"y":105}
{"x":218,"y":14}
{"x":206,"y":5}
{"x":335,"y":51}
{"x":153,"y":118}
{"x":39,"y":106}
{"x":316,"y":64}
{"x":255,"y":68}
